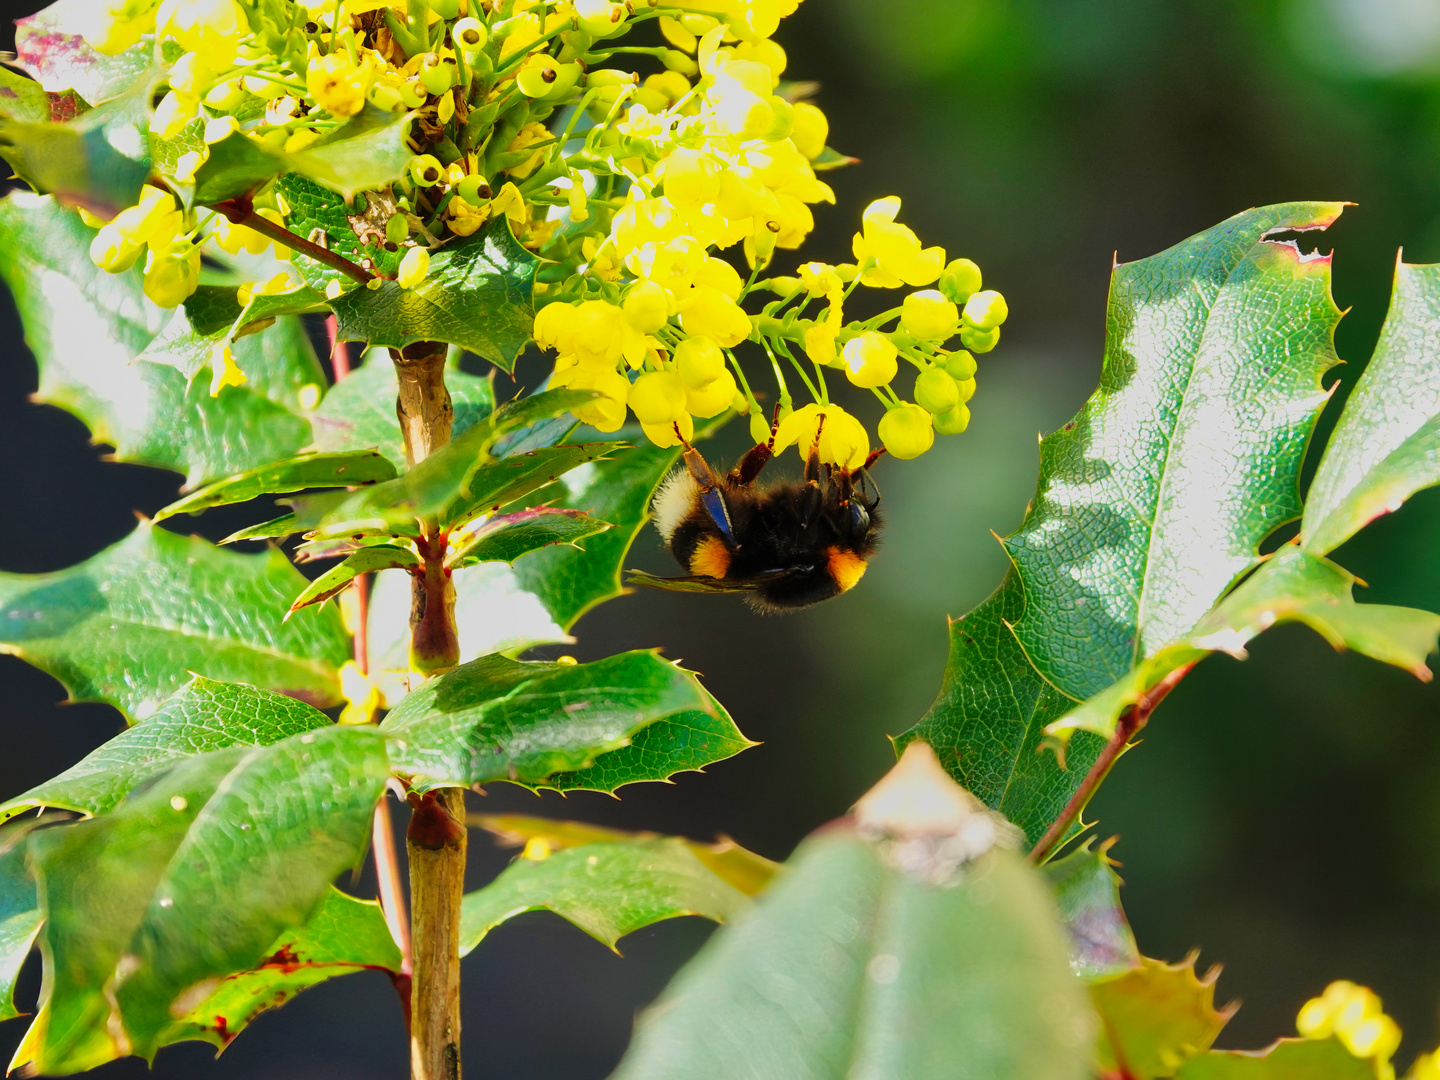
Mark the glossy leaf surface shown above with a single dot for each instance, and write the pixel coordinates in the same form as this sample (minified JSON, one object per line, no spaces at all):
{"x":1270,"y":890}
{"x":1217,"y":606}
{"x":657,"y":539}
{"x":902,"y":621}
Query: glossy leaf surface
{"x":201,"y":717}
{"x":608,"y":889}
{"x":50,"y":46}
{"x":354,"y":469}
{"x":500,"y":719}
{"x":19,"y":915}
{"x":131,"y":625}
{"x":149,"y":906}
{"x":365,"y":561}
{"x":1156,"y":496}
{"x":1386,"y":445}
{"x":1088,"y":892}
{"x":505,"y":537}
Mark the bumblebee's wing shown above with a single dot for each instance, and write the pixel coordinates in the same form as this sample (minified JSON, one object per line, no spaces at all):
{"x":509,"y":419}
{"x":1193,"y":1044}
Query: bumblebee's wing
{"x":698,"y":583}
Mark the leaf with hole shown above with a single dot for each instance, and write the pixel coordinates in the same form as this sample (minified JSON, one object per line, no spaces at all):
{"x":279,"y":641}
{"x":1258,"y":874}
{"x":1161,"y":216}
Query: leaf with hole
{"x":149,"y":907}
{"x":201,"y":717}
{"x":131,"y":625}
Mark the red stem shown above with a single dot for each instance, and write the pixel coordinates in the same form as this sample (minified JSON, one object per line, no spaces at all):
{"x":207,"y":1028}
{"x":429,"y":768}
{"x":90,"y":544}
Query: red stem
{"x":242,"y":212}
{"x":1130,"y":722}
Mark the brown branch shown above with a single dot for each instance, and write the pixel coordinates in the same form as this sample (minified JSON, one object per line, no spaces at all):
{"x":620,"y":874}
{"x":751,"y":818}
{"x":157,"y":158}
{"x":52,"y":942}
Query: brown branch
{"x":1130,"y":722}
{"x":241,"y":211}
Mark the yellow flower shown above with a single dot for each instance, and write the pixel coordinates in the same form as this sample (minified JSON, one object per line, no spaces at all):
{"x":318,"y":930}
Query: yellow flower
{"x":606,"y":413}
{"x":657,"y":397}
{"x":664,"y":434}
{"x":893,"y":250}
{"x":413,"y":268}
{"x":1355,"y":1016}
{"x":224,"y":371}
{"x":711,"y":399}
{"x":699,"y":362}
{"x":811,"y":130}
{"x":843,"y":439}
{"x":170,"y":278}
{"x":337,"y":83}
{"x":363,"y":697}
{"x":211,"y":28}
{"x":710,"y":313}
{"x":907,"y":431}
{"x":929,"y":315}
{"x":870,"y":360}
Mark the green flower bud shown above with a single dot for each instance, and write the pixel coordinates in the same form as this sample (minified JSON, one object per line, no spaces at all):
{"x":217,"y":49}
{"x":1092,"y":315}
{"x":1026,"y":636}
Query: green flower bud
{"x":675,"y":60}
{"x":960,"y":364}
{"x":907,"y":431}
{"x":469,"y":35}
{"x":397,"y":229}
{"x":959,"y":280}
{"x":936,"y":392}
{"x":953,"y":422}
{"x":977,"y":340}
{"x":425,"y":170}
{"x":967,"y":389}
{"x":759,"y":427}
{"x":986,"y":310}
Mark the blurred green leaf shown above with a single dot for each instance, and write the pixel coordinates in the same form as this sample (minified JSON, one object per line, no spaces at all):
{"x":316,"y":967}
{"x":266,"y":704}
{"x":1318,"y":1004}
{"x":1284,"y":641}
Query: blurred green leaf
{"x":235,"y":166}
{"x":365,"y":561}
{"x":149,"y":906}
{"x":987,"y":725}
{"x":359,"y":411}
{"x":87,"y":328}
{"x":848,"y":967}
{"x":215,"y":308}
{"x":1088,"y":892}
{"x":203,"y":715}
{"x":478,"y":295}
{"x":367,"y":151}
{"x":19,"y":915}
{"x":49,"y":46}
{"x":1153,"y":500}
{"x":132,"y":624}
{"x":24,"y":99}
{"x":314,"y":470}
{"x":1156,"y":1017}
{"x":742,"y":869}
{"x":505,"y":537}
{"x":1287,"y":1059}
{"x":608,"y":889}
{"x":344,"y":936}
{"x":1386,"y":445}
{"x":500,"y":719}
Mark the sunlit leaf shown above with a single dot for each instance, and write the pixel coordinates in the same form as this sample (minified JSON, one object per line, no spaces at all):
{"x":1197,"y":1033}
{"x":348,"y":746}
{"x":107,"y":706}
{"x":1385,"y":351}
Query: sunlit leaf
{"x":1155,"y":1017}
{"x":365,"y":561}
{"x":1088,"y":892}
{"x":133,"y":624}
{"x":19,"y":915}
{"x":314,"y":470}
{"x":505,"y":537}
{"x":50,"y":46}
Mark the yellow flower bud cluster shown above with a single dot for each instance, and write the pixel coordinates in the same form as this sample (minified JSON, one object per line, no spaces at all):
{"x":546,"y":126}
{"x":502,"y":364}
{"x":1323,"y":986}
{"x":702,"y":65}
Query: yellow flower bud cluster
{"x":1354,"y":1015}
{"x":159,"y":229}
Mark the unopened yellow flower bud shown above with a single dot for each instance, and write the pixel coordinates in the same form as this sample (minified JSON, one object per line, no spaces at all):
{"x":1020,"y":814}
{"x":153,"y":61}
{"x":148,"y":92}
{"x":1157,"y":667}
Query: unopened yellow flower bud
{"x":960,"y":280}
{"x":954,"y":421}
{"x":977,"y":340}
{"x":647,"y":306}
{"x":171,"y":278}
{"x":929,"y":315}
{"x":870,"y":359}
{"x":112,"y":252}
{"x":820,"y":343}
{"x":710,"y":313}
{"x":936,"y":391}
{"x":759,"y":427}
{"x":986,"y":310}
{"x":413,"y":268}
{"x":657,"y":397}
{"x":960,"y":364}
{"x":907,"y":431}
{"x":699,"y":362}
{"x":711,"y":399}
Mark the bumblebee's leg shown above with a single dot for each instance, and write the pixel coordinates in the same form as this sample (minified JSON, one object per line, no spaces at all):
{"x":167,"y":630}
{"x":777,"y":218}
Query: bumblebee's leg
{"x":873,"y":457}
{"x":812,"y":463}
{"x":707,"y":486}
{"x":757,"y":457}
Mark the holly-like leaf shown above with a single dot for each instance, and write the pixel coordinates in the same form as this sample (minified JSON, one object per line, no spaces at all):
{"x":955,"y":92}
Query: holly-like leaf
{"x":1386,"y":445}
{"x":19,"y":915}
{"x":1156,"y":1017}
{"x":742,"y":869}
{"x":147,"y":908}
{"x":501,"y":719}
{"x":132,"y":624}
{"x":215,"y":308}
{"x":23,"y":99}
{"x":1287,"y":1059}
{"x":235,"y":166}
{"x":607,"y":889}
{"x":323,"y":217}
{"x":344,"y":936}
{"x":1088,"y":892}
{"x":365,"y":561}
{"x":505,"y":537}
{"x":988,"y":724}
{"x":368,"y":151}
{"x":87,"y":327}
{"x":200,"y":717}
{"x":478,"y":295}
{"x":315,"y":470}
{"x":51,"y":47}
{"x":1293,"y":586}
{"x":359,"y":411}
{"x":1153,"y":500}
{"x":874,"y":955}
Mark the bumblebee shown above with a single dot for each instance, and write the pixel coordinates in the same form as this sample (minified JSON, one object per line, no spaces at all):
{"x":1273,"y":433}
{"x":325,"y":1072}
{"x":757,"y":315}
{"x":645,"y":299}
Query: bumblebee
{"x":785,"y":546}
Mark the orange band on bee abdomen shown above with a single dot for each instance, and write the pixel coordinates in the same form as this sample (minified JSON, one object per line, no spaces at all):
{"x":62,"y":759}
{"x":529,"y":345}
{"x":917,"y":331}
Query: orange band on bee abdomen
{"x":711,"y":558}
{"x":846,"y":568}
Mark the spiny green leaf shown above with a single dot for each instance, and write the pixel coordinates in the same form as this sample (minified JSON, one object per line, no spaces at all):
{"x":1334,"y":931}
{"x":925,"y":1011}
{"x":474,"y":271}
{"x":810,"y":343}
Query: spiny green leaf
{"x":1293,"y":586}
{"x":504,"y":538}
{"x":345,"y":935}
{"x":365,"y":561}
{"x":1088,"y":892}
{"x":988,"y":724}
{"x":1386,"y":445}
{"x":478,"y":295}
{"x":19,"y":915}
{"x":1156,"y":1017}
{"x":848,"y":967}
{"x":322,"y":217}
{"x":500,"y":719}
{"x":359,"y":411}
{"x":51,"y":47}
{"x":24,"y":99}
{"x":86,"y":329}
{"x":1153,"y":500}
{"x":743,"y":869}
{"x":212,"y":309}
{"x":314,"y":470}
{"x":132,"y":624}
{"x":236,"y":165}
{"x":367,"y":151}
{"x":607,"y":889}
{"x":200,"y":717}
{"x":149,"y":906}
{"x":283,"y":525}
{"x":1287,"y":1059}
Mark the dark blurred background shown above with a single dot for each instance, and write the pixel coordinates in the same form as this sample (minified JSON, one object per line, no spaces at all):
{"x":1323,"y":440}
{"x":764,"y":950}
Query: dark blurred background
{"x":1283,"y":814}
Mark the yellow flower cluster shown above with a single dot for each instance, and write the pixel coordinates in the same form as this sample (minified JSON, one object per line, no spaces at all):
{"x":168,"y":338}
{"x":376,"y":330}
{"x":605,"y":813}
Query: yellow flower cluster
{"x":628,"y":188}
{"x":1355,"y":1016}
